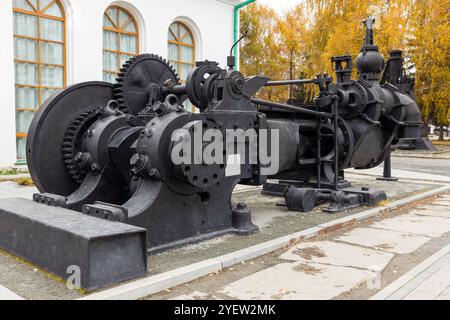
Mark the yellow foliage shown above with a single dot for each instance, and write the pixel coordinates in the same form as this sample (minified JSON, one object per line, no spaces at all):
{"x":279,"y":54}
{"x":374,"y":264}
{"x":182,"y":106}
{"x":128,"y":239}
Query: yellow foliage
{"x":302,"y":41}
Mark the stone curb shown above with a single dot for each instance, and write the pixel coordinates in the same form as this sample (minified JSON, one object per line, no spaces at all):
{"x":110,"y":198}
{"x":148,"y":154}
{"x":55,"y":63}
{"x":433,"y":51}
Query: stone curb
{"x":157,"y":283}
{"x":385,"y":293}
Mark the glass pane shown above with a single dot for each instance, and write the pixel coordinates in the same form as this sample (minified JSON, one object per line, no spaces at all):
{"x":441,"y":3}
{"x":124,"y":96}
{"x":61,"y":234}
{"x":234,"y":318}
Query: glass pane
{"x":107,"y":23}
{"x":26,"y":73}
{"x":52,"y":30}
{"x":54,"y":10}
{"x":187,"y":105}
{"x":25,"y":24}
{"x":124,"y":58}
{"x":187,"y":54}
{"x":23,"y":120}
{"x":23,"y":4}
{"x":110,"y":40}
{"x":123,"y":17}
{"x":52,"y":53}
{"x":109,"y":77}
{"x":43,"y":4}
{"x":27,"y":98}
{"x":173,"y":52}
{"x":25,"y":49}
{"x":110,"y":61}
{"x":52,"y":76}
{"x":128,"y":43}
{"x":130,"y":27}
{"x":185,"y":68}
{"x":112,"y":12}
{"x":174,"y":28}
{"x":21,"y":147}
{"x":174,"y":64}
{"x":183,"y":31}
{"x":187,"y":39}
{"x":170,"y":36}
{"x":46,"y":93}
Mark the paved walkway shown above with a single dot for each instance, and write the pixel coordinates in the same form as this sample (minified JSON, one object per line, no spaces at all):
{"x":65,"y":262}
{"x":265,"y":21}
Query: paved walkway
{"x":329,"y":268}
{"x":428,"y":281}
{"x":6,"y":294}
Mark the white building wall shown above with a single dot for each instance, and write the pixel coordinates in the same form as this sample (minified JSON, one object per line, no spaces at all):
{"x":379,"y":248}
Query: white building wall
{"x":7,"y":95}
{"x":211,"y":21}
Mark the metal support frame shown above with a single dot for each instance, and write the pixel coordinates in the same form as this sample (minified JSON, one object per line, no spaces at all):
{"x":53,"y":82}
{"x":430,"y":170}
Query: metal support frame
{"x":387,"y":175}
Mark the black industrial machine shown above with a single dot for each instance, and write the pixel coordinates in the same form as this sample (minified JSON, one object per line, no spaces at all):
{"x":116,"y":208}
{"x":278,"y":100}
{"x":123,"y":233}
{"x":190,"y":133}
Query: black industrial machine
{"x":121,"y":168}
{"x":105,"y":149}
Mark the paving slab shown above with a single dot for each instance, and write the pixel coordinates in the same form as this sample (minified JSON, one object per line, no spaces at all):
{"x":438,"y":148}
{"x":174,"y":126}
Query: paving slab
{"x":437,"y":286}
{"x":195,"y":295}
{"x":419,"y":224}
{"x":445,"y":203}
{"x":388,"y":240}
{"x":10,"y":189}
{"x":291,"y":281}
{"x":434,"y":207}
{"x":338,"y":254}
{"x":6,"y":294}
{"x":432,"y":211}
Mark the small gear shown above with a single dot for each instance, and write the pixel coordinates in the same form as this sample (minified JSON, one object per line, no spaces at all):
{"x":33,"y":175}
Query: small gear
{"x":70,"y":145}
{"x":135,"y":77}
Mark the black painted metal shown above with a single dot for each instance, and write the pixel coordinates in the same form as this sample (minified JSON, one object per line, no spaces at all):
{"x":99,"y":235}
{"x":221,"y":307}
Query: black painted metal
{"x":387,"y":175}
{"x":123,"y":154}
{"x":63,"y":241}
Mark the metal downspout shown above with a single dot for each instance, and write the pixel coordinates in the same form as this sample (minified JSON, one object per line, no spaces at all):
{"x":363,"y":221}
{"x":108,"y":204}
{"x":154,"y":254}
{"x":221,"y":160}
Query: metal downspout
{"x":236,"y":27}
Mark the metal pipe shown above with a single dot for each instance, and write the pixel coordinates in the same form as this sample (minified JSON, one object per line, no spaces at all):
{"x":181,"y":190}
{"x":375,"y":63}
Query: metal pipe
{"x":336,"y":148}
{"x":289,"y":82}
{"x":236,"y":27}
{"x":291,"y":108}
{"x":178,"y":89}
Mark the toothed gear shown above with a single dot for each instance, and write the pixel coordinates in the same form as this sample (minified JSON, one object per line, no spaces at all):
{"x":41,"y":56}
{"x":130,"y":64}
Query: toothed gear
{"x":134,"y":78}
{"x":71,"y":142}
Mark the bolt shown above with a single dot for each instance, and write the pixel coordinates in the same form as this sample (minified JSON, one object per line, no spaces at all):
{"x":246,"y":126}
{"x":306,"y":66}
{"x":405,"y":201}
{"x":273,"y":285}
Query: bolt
{"x":94,"y":167}
{"x":136,"y":160}
{"x":89,"y":133}
{"x":241,"y":206}
{"x":81,"y":158}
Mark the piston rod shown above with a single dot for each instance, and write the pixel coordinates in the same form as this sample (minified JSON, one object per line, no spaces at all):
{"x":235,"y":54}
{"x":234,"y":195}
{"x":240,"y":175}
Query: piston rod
{"x":291,"y":108}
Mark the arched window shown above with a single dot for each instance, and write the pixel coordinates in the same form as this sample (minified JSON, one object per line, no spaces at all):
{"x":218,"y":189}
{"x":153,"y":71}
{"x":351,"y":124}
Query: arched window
{"x":120,"y":40}
{"x":39,"y":59}
{"x":181,"y":52}
{"x":181,"y":47}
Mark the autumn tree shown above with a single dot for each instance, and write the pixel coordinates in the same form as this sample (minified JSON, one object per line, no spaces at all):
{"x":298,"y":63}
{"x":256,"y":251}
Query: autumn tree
{"x":260,"y":48}
{"x":302,"y":42}
{"x":430,"y":53}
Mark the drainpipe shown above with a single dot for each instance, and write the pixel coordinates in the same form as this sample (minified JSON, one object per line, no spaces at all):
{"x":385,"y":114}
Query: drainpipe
{"x":236,"y":27}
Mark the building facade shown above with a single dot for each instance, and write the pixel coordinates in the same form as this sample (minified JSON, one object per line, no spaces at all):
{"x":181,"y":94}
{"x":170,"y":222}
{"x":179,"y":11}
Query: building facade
{"x":49,"y":44}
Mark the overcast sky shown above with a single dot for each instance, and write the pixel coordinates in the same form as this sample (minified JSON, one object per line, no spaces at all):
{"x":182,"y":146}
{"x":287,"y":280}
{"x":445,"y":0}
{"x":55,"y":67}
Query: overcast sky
{"x":280,"y":5}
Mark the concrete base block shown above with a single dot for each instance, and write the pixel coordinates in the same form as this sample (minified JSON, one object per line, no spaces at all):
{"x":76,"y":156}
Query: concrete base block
{"x":92,"y":252}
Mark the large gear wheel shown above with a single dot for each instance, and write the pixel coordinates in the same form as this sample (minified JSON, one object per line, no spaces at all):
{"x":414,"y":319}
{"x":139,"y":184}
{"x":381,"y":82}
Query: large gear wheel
{"x":48,"y":132}
{"x":71,"y":143}
{"x":135,"y":77}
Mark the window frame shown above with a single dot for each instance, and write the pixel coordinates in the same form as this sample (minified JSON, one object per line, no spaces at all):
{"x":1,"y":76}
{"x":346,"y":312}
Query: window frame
{"x":39,"y":62}
{"x":118,"y":30}
{"x":179,"y":43}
